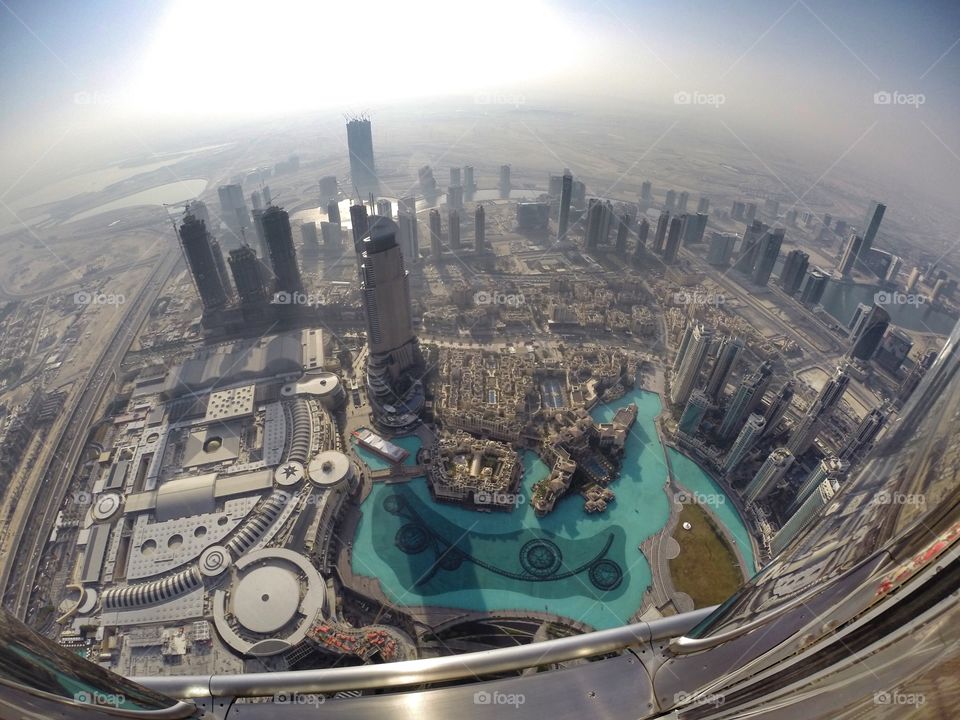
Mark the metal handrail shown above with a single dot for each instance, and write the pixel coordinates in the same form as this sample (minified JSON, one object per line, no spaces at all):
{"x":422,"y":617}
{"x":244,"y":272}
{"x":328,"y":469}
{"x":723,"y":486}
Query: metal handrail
{"x":429,"y":670}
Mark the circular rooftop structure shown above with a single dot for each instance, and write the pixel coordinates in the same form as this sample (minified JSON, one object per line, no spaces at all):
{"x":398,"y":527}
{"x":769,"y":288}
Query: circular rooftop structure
{"x":330,"y":468}
{"x":323,"y":385}
{"x":266,"y":599}
{"x":214,"y":560}
{"x":105,"y":506}
{"x":288,"y":473}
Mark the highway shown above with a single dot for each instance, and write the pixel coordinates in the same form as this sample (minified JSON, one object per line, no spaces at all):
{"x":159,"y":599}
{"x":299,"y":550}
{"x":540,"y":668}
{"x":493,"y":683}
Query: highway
{"x":46,"y":497}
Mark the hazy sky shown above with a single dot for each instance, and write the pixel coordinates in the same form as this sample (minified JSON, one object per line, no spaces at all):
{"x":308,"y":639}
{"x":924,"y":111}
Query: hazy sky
{"x":803,"y":72}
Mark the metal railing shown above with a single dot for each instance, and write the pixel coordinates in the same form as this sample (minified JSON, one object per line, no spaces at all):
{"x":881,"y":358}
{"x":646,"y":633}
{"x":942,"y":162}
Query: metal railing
{"x":431,"y":670}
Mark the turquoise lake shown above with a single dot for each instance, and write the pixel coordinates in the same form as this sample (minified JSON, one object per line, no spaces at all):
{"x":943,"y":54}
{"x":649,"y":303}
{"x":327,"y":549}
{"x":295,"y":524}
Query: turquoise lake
{"x":585,"y":567}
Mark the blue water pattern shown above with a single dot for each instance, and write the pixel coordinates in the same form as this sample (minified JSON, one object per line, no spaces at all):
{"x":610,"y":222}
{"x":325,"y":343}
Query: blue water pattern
{"x":569,"y":563}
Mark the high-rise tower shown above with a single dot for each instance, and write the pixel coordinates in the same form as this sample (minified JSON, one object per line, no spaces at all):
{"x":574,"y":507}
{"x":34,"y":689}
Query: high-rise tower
{"x":747,"y":396}
{"x":283,"y":255}
{"x":396,"y":397}
{"x":566,"y":193}
{"x":770,"y":473}
{"x":751,"y":432}
{"x":480,"y":229}
{"x":694,"y":356}
{"x":199,"y":254}
{"x":730,"y":349}
{"x":363,"y":169}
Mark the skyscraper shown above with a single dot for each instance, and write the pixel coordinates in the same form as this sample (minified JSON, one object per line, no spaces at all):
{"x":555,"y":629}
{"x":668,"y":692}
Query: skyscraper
{"x":682,"y":349}
{"x":623,"y":232}
{"x":703,"y":205}
{"x":453,"y":229}
{"x":859,"y":444}
{"x":871,"y":224}
{"x":849,"y":257}
{"x":814,"y":287}
{"x":328,"y":188}
{"x":770,"y":473}
{"x":504,"y":179}
{"x":670,"y":200}
{"x":359,"y":227}
{"x":480,"y":229}
{"x":251,"y":286}
{"x":455,"y":176}
{"x":819,"y":411}
{"x":693,"y":412}
{"x":730,"y":349}
{"x":396,"y":396}
{"x":455,"y":197}
{"x":407,"y":236}
{"x":751,"y":432}
{"x":767,"y":256}
{"x":660,"y":237}
{"x":436,"y":246}
{"x":643,"y":230}
{"x":566,"y":195}
{"x":384,"y":287}
{"x":672,"y":247}
{"x":794,"y":271}
{"x":694,"y":225}
{"x":646,"y":191}
{"x":778,"y":406}
{"x":233,"y":212}
{"x":694,"y":357}
{"x":469,"y":183}
{"x":222,"y":269}
{"x":749,"y":247}
{"x":869,"y":333}
{"x":283,"y":255}
{"x":816,"y":500}
{"x":830,"y":467}
{"x":199,"y":254}
{"x":721,"y":249}
{"x":363,"y":169}
{"x":747,"y":396}
{"x":682,"y":200}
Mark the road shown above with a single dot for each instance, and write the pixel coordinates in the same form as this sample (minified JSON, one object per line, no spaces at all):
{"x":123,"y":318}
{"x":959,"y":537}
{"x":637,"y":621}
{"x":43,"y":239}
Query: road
{"x":20,"y":571}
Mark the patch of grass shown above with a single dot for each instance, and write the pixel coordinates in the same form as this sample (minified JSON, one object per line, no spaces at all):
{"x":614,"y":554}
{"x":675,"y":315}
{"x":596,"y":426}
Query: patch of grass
{"x":706,"y":568}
